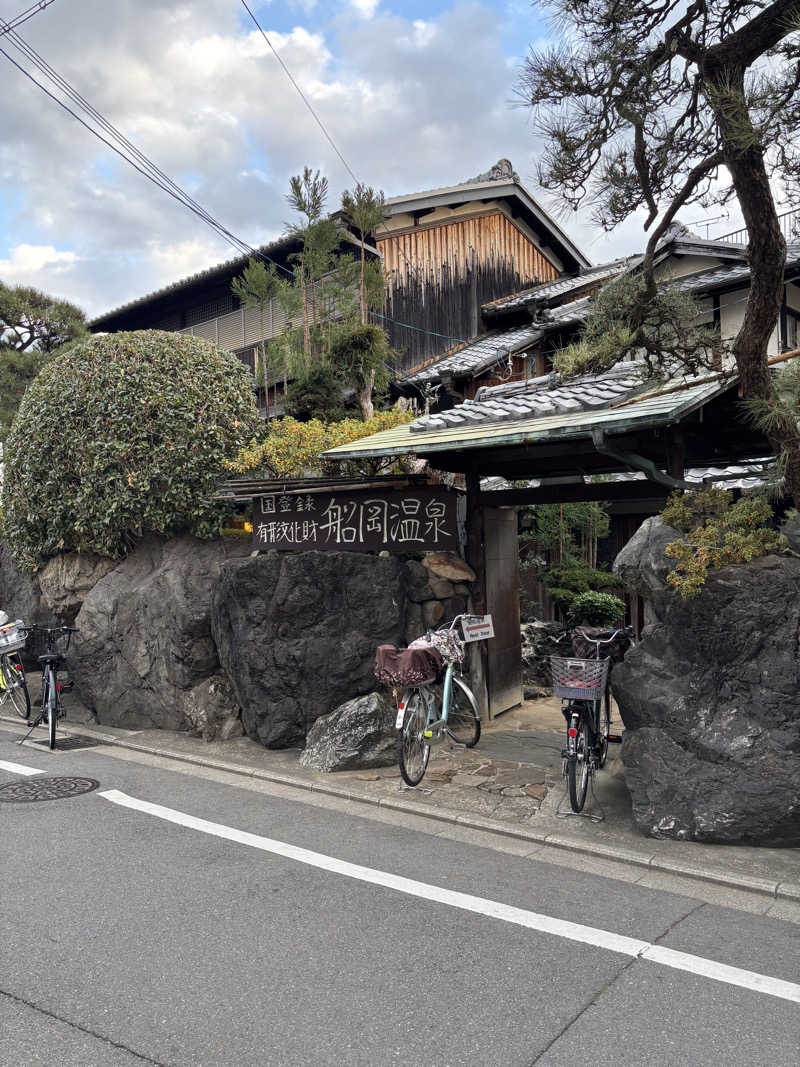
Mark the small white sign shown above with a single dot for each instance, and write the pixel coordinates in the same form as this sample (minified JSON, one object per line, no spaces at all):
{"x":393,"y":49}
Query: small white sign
{"x":398,"y":725}
{"x":477,"y":627}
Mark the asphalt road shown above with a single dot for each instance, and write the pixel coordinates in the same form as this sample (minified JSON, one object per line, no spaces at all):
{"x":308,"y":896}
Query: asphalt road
{"x":128,"y":938}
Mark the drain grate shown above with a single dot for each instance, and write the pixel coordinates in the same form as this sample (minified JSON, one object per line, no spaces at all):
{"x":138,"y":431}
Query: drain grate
{"x":67,"y":744}
{"x":46,"y":789}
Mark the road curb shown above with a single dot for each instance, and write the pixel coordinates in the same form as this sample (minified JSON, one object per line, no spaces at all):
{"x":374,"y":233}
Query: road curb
{"x":602,"y":850}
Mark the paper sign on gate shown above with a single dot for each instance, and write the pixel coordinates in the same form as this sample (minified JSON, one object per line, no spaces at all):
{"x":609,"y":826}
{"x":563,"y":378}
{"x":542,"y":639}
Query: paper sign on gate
{"x":477,"y":627}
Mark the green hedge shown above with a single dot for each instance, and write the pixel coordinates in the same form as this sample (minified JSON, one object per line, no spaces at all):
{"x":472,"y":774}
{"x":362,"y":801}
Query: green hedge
{"x":123,"y":435}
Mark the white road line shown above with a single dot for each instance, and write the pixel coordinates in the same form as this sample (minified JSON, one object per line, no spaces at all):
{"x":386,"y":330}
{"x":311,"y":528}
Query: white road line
{"x":18,"y":768}
{"x":588,"y":935}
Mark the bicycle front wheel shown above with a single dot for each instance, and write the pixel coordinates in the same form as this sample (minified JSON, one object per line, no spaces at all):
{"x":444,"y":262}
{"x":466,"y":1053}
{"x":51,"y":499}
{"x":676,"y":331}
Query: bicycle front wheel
{"x":463,"y":723}
{"x":15,"y":685}
{"x":413,"y":749}
{"x":604,"y":728}
{"x":578,"y":768}
{"x":52,"y":709}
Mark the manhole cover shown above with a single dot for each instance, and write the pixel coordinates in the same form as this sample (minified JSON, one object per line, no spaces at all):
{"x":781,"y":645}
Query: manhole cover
{"x":67,"y":744}
{"x":46,"y":789}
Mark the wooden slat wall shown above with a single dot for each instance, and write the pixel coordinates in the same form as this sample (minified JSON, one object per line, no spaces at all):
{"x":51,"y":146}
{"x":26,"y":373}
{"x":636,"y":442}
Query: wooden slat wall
{"x":452,"y":244}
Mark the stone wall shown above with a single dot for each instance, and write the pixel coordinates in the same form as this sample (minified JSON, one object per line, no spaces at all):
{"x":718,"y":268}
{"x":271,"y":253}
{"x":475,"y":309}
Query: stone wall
{"x":200,"y":635}
{"x":438,"y":589}
{"x":709,"y":699}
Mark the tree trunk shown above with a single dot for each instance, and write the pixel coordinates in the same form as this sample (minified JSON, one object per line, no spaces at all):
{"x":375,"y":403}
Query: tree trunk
{"x":766,"y":254}
{"x":365,"y":397}
{"x":306,"y":327}
{"x":362,"y":298}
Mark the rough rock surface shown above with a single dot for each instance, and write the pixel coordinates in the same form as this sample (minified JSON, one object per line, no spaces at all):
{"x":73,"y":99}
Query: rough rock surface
{"x":540,"y":641}
{"x":358,"y":734}
{"x":791,"y":531}
{"x":641,"y":564}
{"x":709,"y":700}
{"x":297,"y":634}
{"x":20,"y":596}
{"x":145,"y":644}
{"x":448,"y":566}
{"x":66,"y":580}
{"x":211,"y":710}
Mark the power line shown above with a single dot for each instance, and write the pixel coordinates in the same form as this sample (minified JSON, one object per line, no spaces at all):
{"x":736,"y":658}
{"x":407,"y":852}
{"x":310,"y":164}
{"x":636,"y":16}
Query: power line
{"x":304,"y":98}
{"x":28,"y":13}
{"x":127,"y":151}
{"x":144,"y":166}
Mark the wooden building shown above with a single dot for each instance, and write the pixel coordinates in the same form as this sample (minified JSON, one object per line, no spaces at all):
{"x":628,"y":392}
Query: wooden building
{"x":445,"y":253}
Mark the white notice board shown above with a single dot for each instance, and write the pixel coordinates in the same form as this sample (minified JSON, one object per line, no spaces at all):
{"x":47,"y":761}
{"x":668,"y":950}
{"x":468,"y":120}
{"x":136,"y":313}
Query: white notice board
{"x":477,"y":627}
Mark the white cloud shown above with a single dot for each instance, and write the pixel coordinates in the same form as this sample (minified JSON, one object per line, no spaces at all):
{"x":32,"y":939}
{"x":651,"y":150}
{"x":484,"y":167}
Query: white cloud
{"x":365,"y":8}
{"x":411,"y":104}
{"x":27,"y":263}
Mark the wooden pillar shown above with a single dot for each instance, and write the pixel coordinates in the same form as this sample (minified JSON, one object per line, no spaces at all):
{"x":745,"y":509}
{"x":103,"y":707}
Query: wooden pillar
{"x":676,"y":455}
{"x":476,"y":560}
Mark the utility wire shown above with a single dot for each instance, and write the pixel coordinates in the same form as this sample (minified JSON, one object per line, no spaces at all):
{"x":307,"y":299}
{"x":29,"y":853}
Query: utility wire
{"x":28,"y":13}
{"x":303,"y":96}
{"x":128,"y":151}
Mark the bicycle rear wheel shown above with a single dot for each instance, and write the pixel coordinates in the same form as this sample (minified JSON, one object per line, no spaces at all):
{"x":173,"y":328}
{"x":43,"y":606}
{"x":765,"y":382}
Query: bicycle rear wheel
{"x":15,"y":685}
{"x":413,"y":749}
{"x":578,"y":768}
{"x":52,"y":709}
{"x":463,"y":723}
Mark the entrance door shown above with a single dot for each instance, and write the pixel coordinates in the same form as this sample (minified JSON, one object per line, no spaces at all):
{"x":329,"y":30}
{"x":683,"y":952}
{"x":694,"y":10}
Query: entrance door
{"x":504,"y":651}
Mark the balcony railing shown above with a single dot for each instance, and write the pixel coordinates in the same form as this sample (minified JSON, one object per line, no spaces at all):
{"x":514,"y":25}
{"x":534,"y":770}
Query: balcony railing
{"x":790,"y":228}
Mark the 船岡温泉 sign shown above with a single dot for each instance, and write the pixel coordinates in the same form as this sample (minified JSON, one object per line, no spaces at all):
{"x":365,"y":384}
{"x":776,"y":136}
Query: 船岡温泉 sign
{"x":405,"y":520}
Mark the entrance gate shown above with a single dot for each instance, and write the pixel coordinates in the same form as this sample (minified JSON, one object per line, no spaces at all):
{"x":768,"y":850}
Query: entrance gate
{"x":504,"y":652}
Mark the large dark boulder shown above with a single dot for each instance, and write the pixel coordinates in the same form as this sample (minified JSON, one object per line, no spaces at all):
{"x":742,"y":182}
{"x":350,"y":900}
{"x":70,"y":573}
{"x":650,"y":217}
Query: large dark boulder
{"x":297,"y":634}
{"x":359,"y":734}
{"x":145,"y":648}
{"x":710,"y":700}
{"x":20,"y":595}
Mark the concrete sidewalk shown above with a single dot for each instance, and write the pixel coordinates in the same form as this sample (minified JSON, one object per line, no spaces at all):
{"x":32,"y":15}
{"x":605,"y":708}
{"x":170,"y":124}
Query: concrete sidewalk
{"x":510,"y":786}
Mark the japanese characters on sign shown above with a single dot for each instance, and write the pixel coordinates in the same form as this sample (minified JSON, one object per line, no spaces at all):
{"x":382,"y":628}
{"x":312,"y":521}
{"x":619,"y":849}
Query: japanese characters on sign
{"x":405,"y":520}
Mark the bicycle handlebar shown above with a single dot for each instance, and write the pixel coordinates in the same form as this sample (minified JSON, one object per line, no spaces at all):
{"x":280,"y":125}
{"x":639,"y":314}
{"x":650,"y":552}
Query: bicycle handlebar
{"x":605,"y":637}
{"x":51,"y":629}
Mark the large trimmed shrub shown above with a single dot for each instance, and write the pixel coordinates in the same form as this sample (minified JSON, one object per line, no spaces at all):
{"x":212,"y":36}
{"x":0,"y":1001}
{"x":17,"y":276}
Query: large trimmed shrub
{"x":120,"y":436}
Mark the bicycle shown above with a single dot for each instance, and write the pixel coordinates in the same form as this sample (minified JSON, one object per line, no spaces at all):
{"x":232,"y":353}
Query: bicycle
{"x":422,"y":719}
{"x":51,"y":660}
{"x":585,"y":691}
{"x":13,"y":685}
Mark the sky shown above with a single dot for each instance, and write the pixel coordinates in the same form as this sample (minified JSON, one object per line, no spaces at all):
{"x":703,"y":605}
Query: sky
{"x":415,"y":95}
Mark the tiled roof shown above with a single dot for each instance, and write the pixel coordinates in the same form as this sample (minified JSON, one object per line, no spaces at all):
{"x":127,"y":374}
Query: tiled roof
{"x":236,"y":264}
{"x":730,"y":273}
{"x":560,"y":287}
{"x":539,"y":398}
{"x":470,"y":359}
{"x":476,"y":355}
{"x":664,"y":406}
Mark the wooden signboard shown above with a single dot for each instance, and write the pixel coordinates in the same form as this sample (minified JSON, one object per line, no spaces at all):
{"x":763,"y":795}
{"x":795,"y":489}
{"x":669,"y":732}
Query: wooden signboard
{"x":404,"y":520}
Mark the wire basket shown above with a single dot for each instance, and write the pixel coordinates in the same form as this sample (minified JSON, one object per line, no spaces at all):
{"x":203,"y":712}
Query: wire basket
{"x":579,"y":679}
{"x":11,"y":638}
{"x":41,"y":643}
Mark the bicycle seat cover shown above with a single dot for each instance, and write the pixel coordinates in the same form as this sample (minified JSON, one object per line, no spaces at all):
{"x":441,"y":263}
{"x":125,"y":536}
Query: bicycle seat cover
{"x":406,"y":666}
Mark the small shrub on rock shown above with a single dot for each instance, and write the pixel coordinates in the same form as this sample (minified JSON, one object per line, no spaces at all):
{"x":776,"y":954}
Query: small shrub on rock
{"x":717,"y":533}
{"x":596,"y":609}
{"x":123,"y":435}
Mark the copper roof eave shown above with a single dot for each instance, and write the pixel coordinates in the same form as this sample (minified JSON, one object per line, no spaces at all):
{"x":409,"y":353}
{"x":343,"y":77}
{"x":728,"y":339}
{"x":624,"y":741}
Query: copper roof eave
{"x":579,"y":425}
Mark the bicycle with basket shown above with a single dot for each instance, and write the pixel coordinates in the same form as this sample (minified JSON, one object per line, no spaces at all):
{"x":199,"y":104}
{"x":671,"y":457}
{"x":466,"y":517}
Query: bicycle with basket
{"x":425,"y":714}
{"x":13,"y":684}
{"x":583,"y":684}
{"x":55,"y":641}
